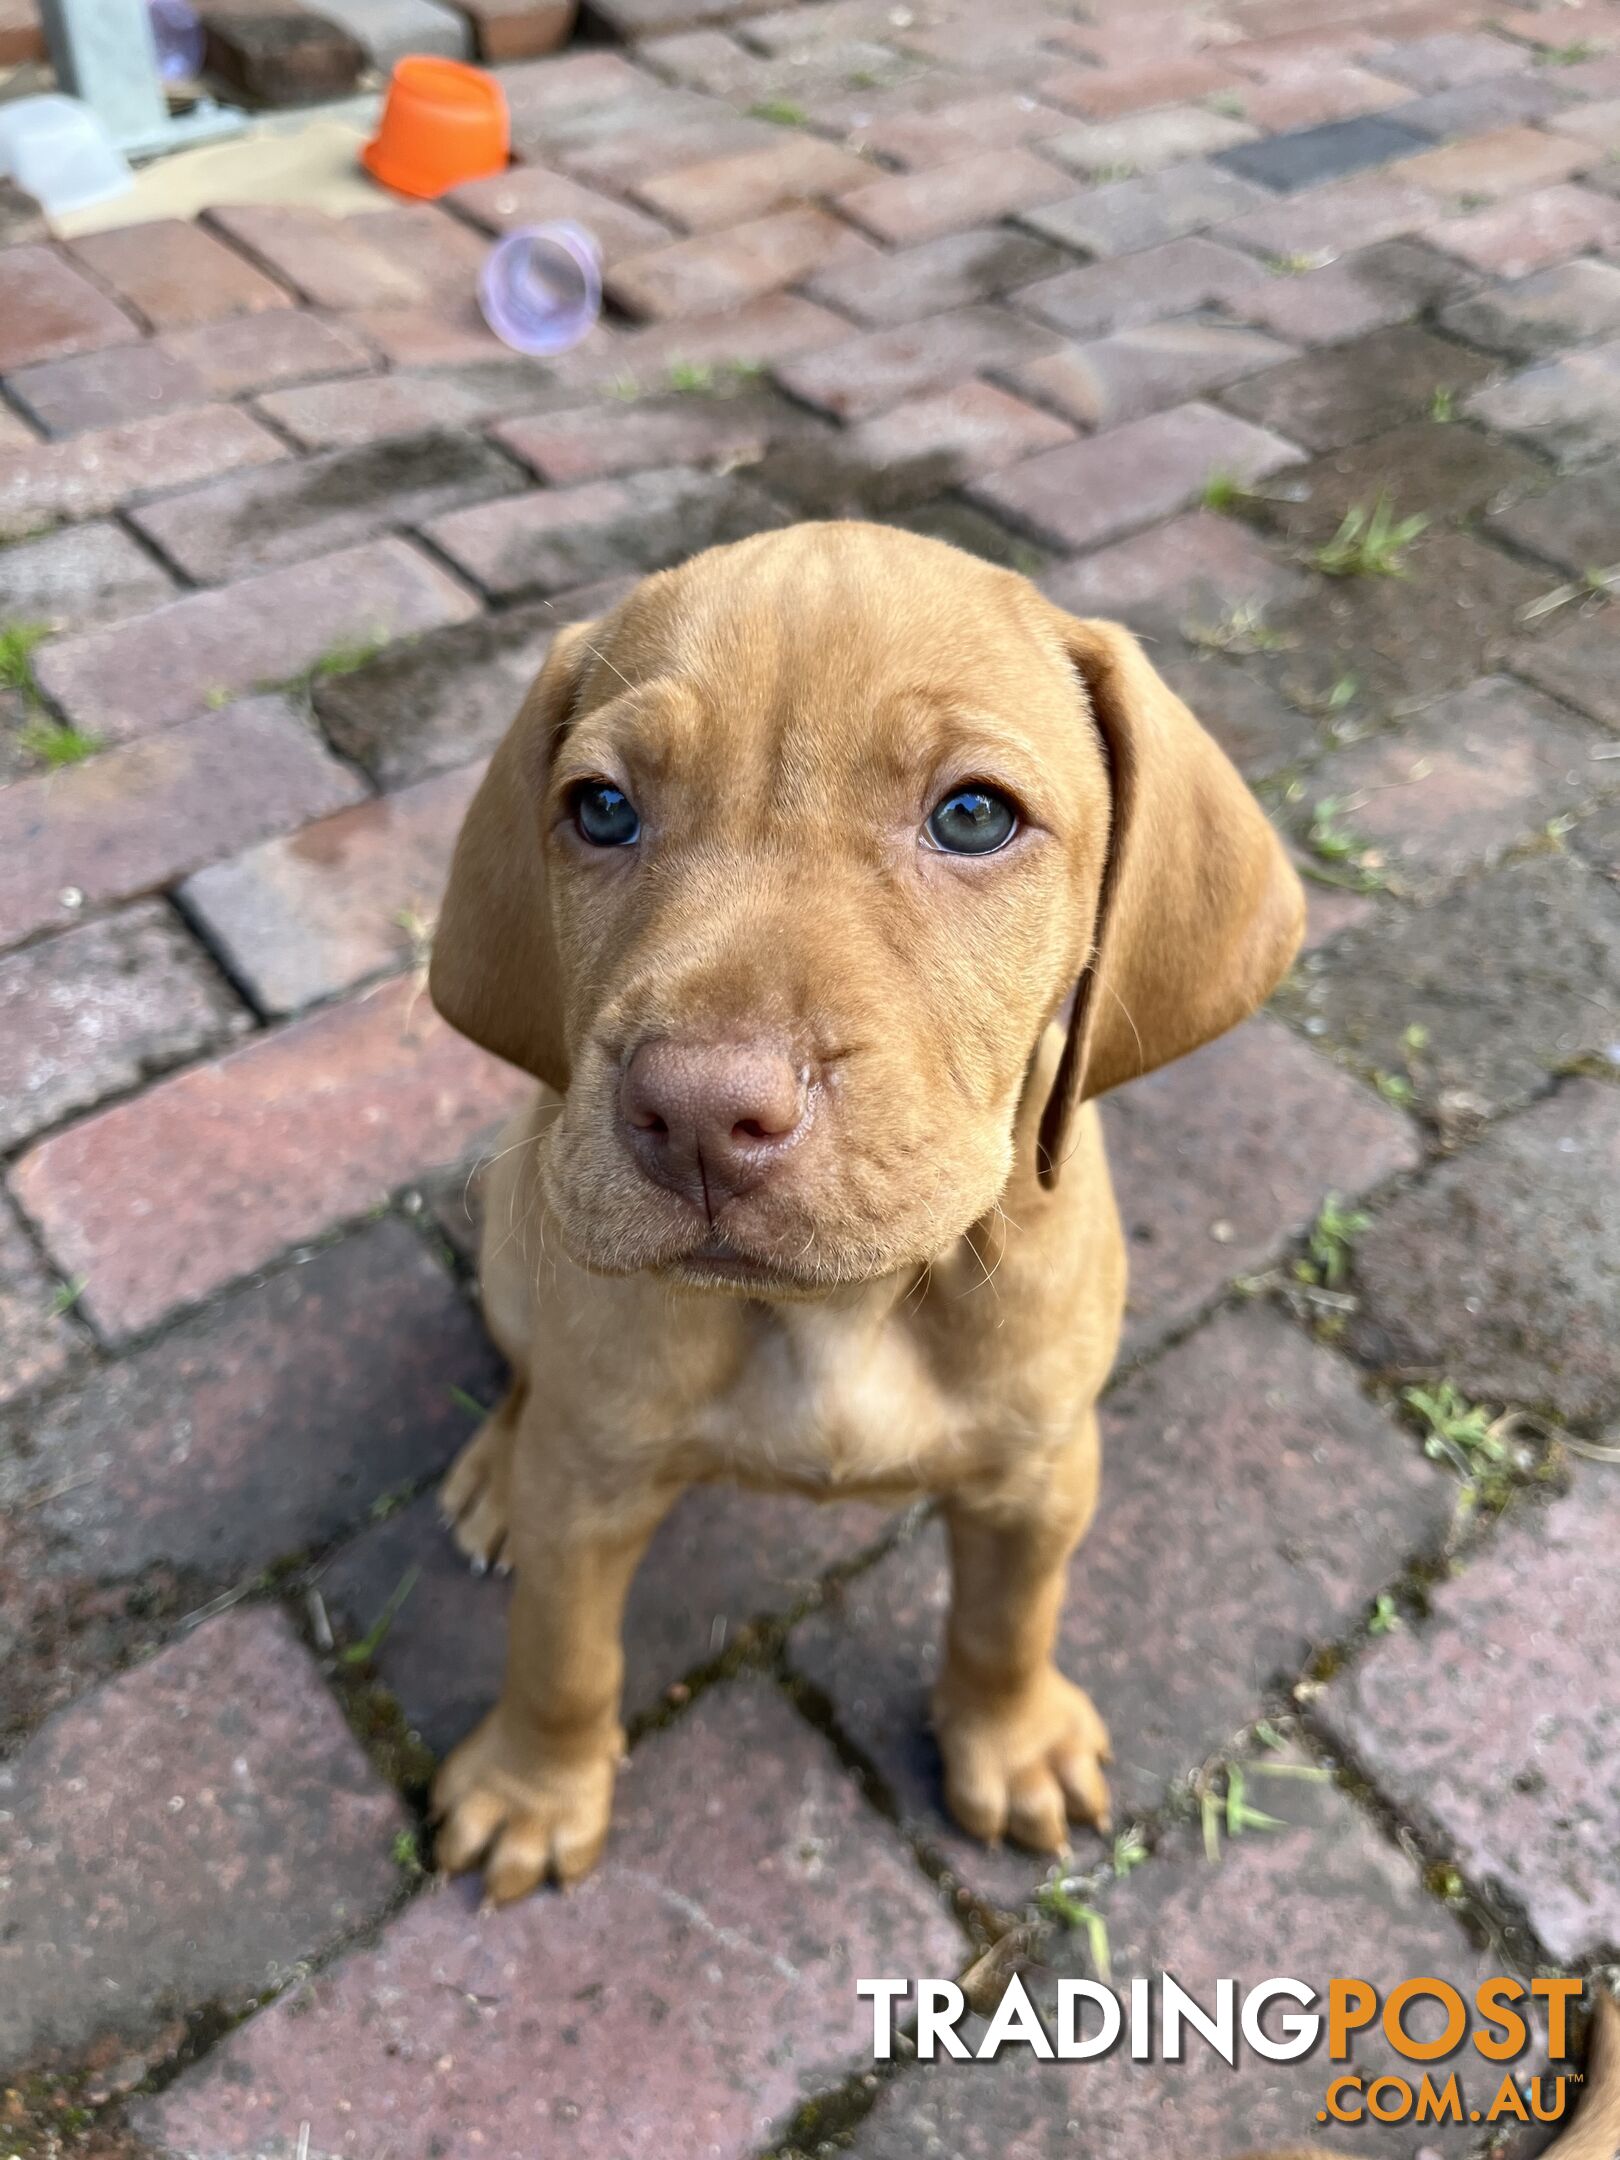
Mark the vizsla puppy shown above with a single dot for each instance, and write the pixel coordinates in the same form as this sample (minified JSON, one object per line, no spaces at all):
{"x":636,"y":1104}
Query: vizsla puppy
{"x":821,"y":885}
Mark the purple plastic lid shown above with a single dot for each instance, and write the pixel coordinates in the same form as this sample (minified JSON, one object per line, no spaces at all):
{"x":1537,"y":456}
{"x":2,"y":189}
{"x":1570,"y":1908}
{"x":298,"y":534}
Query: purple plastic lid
{"x":179,"y":38}
{"x":541,"y":288}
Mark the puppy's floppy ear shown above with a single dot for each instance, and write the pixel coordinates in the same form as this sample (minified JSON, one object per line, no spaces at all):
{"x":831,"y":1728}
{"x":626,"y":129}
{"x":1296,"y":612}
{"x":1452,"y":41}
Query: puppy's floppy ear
{"x":1200,"y":911}
{"x":496,"y":973}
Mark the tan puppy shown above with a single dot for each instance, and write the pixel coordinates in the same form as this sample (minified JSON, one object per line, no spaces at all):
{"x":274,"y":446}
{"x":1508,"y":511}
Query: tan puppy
{"x":821,"y":884}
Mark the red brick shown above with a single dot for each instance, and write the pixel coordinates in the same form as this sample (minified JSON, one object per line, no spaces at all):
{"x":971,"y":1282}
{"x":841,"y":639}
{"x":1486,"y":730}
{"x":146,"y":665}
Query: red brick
{"x":774,"y":328}
{"x":1193,"y":566}
{"x":257,"y":353}
{"x":277,"y":52}
{"x":723,"y":1560}
{"x":177,"y":660}
{"x":92,"y":1012}
{"x":161,"y":1201}
{"x":567,"y":447}
{"x":906,"y":207}
{"x":1330,"y":221}
{"x":1105,"y":93}
{"x":102,"y":389}
{"x":957,"y":270}
{"x":1146,"y":141}
{"x":1142,"y":370}
{"x":1219,"y":1160}
{"x":711,"y":272}
{"x":266,"y":1426}
{"x":346,"y":414}
{"x":520,"y":29}
{"x":1093,"y":491}
{"x":1504,"y":163}
{"x":37,"y":1342}
{"x":530,"y":195}
{"x":442,"y":333}
{"x":865,"y":374}
{"x":94,"y":472}
{"x":729,"y":190}
{"x":174,"y":274}
{"x":1188,"y":1594}
{"x":315,"y":912}
{"x":382,"y":258}
{"x":1130,"y":215}
{"x":1169,"y":280}
{"x":51,"y":310}
{"x":562,"y":537}
{"x":130,"y":820}
{"x":1369,"y":290}
{"x":1313,"y":92}
{"x":952,"y":435}
{"x":1527,"y":233}
{"x":999,"y":119}
{"x":222,"y":1761}
{"x":1512,"y":1766}
{"x":311,"y":506}
{"x":627,"y":149}
{"x":746,"y":1882}
{"x":81,"y":575}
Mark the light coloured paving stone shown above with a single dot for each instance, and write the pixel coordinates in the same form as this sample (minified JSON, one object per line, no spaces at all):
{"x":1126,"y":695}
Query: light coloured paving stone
{"x":1146,"y":141}
{"x":1570,"y":408}
{"x":1129,"y":215}
{"x":1140,"y":371}
{"x":82,"y":575}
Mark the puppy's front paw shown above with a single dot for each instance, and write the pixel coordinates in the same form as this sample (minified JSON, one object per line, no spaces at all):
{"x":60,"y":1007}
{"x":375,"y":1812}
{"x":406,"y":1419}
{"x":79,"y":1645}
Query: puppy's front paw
{"x":526,"y":1818}
{"x":1024,"y":1767}
{"x":474,"y":1496}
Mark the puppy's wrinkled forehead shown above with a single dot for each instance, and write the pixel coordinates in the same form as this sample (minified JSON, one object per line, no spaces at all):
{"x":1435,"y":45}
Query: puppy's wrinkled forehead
{"x":824,"y":647}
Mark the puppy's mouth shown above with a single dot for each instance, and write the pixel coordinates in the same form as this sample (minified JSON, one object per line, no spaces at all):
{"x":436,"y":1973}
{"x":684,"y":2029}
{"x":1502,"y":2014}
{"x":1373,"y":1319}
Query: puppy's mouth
{"x":716,"y":1264}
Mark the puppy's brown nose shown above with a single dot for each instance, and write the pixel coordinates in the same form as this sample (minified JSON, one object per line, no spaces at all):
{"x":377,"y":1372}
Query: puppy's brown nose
{"x":710,"y":1120}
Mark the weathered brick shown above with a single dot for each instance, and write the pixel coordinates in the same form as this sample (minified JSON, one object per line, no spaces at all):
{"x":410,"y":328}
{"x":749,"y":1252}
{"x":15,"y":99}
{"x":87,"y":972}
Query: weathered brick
{"x":264,"y":1427}
{"x":102,"y":389}
{"x":82,"y":575}
{"x":1323,"y":1892}
{"x":1320,"y":93}
{"x":345,"y":414}
{"x":280,"y":53}
{"x":1511,"y":1764}
{"x":1194,"y":568}
{"x":383,"y":258}
{"x":731,"y":190}
{"x":92,"y":1012}
{"x":1576,"y":524}
{"x":1541,"y":314}
{"x":258,"y":352}
{"x":530,"y":195}
{"x":866,"y":374}
{"x":160,"y":1201}
{"x":520,"y":29}
{"x":1446,"y":473}
{"x":567,"y":447}
{"x":1337,"y":396}
{"x":1487,"y":1040}
{"x":315,"y":912}
{"x":175,"y":274}
{"x":957,"y":270}
{"x":1127,"y":216}
{"x":1569,"y":408}
{"x":174,"y":662}
{"x":441,"y":700}
{"x":1598,"y":124}
{"x":1508,"y":161}
{"x":1106,"y":93}
{"x":1463,"y":781}
{"x":776,"y":327}
{"x":1529,"y":231}
{"x":135,"y":818}
{"x":1496,"y":101}
{"x":37,"y":1341}
{"x":911,"y":453}
{"x":1218,"y":1160}
{"x":714,"y":271}
{"x":51,"y":310}
{"x":224,"y":1760}
{"x":1343,"y":215}
{"x":1170,"y":280}
{"x":1092,"y":491}
{"x":1371,"y":290}
{"x":1142,"y":370}
{"x":1310,"y":156}
{"x":745,"y":1886}
{"x":906,"y":207}
{"x":1146,"y":141}
{"x":723,"y":1560}
{"x":1580,"y":663}
{"x":1190,"y":1595}
{"x":1260,"y":730}
{"x":561,"y":537}
{"x":312,"y":506}
{"x":1451,"y":58}
{"x":92,"y":473}
{"x":958,"y":129}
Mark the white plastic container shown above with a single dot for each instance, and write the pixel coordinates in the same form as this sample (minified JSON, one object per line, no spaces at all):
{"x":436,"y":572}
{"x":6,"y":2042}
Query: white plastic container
{"x":56,"y":150}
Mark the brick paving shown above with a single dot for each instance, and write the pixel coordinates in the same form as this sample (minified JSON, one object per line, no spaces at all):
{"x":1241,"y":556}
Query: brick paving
{"x":1154,"y":306}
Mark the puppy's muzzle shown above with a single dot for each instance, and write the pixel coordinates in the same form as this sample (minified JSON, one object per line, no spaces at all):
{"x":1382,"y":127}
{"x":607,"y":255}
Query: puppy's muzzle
{"x":711,"y":1121}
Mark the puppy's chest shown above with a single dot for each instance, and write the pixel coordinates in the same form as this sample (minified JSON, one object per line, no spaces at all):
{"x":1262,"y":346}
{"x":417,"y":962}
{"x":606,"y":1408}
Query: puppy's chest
{"x":827,"y":1407}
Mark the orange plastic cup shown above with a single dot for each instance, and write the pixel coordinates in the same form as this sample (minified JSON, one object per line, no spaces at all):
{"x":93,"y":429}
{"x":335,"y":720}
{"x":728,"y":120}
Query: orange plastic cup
{"x":443,"y":122}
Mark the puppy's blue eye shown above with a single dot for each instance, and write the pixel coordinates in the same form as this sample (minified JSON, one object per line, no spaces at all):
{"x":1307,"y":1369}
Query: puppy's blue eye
{"x":605,"y":815}
{"x":972,"y":821}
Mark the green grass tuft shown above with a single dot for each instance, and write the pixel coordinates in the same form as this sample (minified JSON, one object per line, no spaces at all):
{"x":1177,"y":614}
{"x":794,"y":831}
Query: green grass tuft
{"x":1370,"y":543}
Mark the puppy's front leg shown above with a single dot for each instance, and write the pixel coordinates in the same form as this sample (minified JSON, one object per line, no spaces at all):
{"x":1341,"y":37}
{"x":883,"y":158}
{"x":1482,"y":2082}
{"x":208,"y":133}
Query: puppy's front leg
{"x":1023,"y":1747}
{"x":532,"y":1787}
